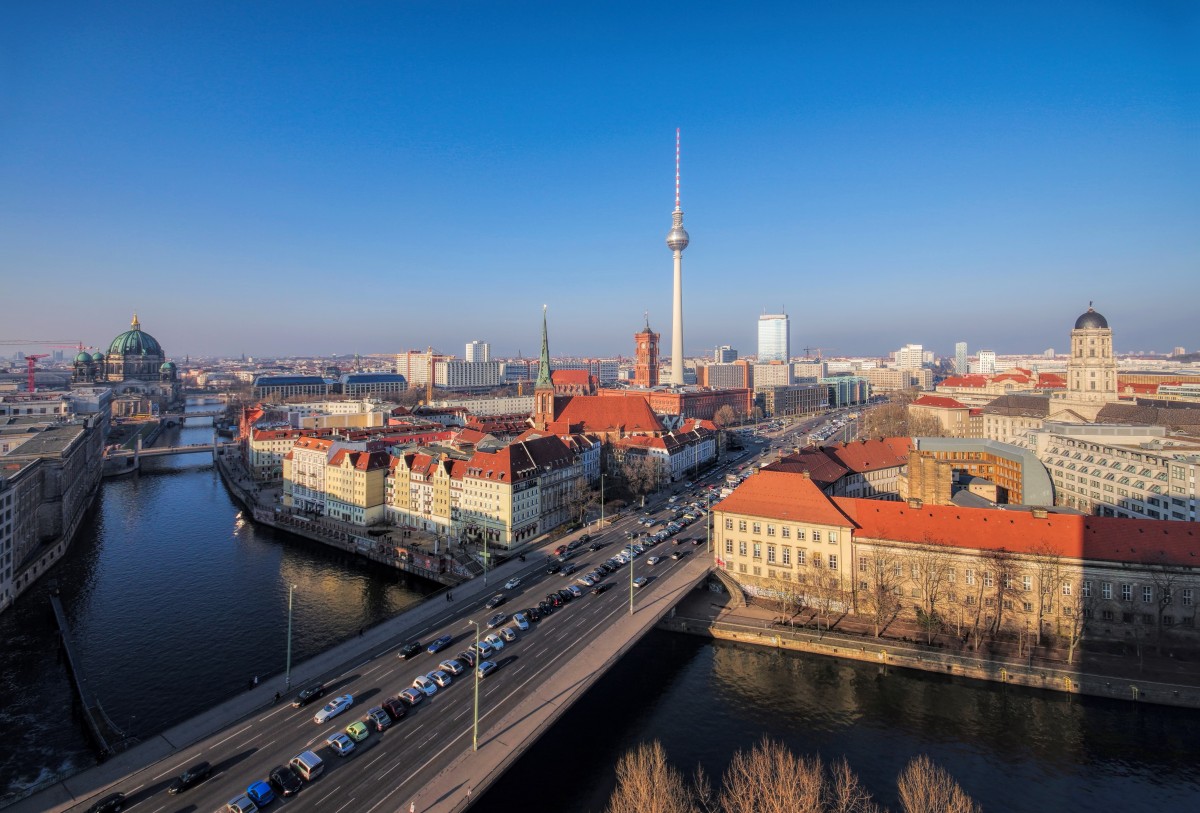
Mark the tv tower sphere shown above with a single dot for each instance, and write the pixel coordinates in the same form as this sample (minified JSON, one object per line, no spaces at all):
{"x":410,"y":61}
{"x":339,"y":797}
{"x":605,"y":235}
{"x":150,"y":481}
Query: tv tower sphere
{"x":677,"y":237}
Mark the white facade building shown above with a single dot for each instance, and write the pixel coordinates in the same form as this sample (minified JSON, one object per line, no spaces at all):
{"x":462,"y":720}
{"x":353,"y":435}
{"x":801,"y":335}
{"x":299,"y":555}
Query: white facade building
{"x":478,"y":351}
{"x":774,"y":337}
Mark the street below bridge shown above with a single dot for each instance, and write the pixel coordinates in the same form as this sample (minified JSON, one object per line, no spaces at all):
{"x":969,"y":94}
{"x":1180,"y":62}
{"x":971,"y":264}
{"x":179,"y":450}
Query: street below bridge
{"x":426,"y":758}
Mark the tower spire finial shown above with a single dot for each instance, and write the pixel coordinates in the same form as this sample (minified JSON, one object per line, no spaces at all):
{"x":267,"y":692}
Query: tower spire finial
{"x":543,"y":379}
{"x":677,"y":169}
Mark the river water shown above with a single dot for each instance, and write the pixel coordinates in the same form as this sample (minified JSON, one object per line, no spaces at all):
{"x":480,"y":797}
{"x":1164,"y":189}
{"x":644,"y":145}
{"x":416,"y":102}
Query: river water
{"x":176,"y":601}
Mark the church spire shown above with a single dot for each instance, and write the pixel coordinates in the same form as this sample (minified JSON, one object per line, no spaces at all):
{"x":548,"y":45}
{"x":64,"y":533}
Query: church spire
{"x":543,"y":379}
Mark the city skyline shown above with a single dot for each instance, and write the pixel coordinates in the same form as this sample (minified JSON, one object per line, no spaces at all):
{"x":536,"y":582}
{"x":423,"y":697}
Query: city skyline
{"x":238,"y":177}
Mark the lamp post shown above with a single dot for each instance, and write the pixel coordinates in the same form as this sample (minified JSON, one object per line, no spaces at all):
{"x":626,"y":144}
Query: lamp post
{"x":478,"y":661}
{"x":485,"y":557}
{"x":287,"y":681}
{"x":602,"y":502}
{"x":632,"y":559}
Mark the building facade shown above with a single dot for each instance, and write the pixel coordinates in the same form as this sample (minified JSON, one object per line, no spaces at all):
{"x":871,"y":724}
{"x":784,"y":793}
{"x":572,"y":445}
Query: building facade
{"x":774,"y":338}
{"x":645,"y":370}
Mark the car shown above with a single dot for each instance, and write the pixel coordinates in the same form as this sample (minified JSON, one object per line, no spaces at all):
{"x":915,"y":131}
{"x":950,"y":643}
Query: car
{"x":396,"y":708}
{"x":575,"y":590}
{"x":439,"y":643}
{"x":496,"y":620}
{"x":411,"y":696}
{"x":697,"y":541}
{"x":333,"y":708}
{"x":109,"y":804}
{"x":604,"y":569}
{"x":377,"y":717}
{"x":679,"y":554}
{"x":544,"y":608}
{"x":587,"y":580}
{"x":423,"y":684}
{"x":452,"y":666}
{"x":495,"y":601}
{"x":569,"y":569}
{"x":560,"y":550}
{"x":601,"y":587}
{"x":409,"y":649}
{"x":261,"y":793}
{"x":285,"y":781}
{"x":553,"y":568}
{"x":678,"y":541}
{"x":357,"y":731}
{"x":554,"y":600}
{"x":521,"y":620}
{"x":640,"y":581}
{"x":486,"y":668}
{"x":566,"y":595}
{"x":241,"y":804}
{"x":509,"y":634}
{"x":467,"y":656}
{"x":653,"y":560}
{"x":532,"y":614}
{"x":597,"y":545}
{"x":308,"y":695}
{"x":440,"y":677}
{"x":340,"y":744}
{"x":513,"y":583}
{"x":484,"y":649}
{"x":493,"y":640}
{"x":189,"y":778}
{"x":585,"y":538}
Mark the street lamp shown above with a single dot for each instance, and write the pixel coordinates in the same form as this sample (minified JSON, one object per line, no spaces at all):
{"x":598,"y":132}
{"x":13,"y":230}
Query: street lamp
{"x":287,"y":681}
{"x":602,"y":502}
{"x":478,"y":661}
{"x":632,"y":559}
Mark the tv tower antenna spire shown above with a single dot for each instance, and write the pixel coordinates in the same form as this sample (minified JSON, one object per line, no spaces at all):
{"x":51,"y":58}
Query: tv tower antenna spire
{"x":677,"y":241}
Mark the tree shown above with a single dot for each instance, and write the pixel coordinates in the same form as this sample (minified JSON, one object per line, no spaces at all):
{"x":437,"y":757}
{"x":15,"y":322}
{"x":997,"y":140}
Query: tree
{"x":1165,"y":579}
{"x":998,"y":575}
{"x":641,"y":473}
{"x":828,"y":594}
{"x":930,"y":567}
{"x":770,"y":779}
{"x":1047,"y":570}
{"x":926,"y":787}
{"x":844,"y":792}
{"x":725,"y":416}
{"x":1078,"y":605}
{"x":882,"y":578}
{"x":647,"y":784}
{"x":580,"y":498}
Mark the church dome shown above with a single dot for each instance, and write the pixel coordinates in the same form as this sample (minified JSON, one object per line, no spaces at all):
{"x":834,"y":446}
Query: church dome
{"x":83,"y":357}
{"x":1090,"y":321}
{"x":97,"y":356}
{"x":167,"y":366}
{"x":135,"y":342}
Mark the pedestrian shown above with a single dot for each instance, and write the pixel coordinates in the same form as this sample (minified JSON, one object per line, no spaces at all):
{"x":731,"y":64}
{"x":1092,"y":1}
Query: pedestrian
{"x":360,"y":632}
{"x":277,"y":696}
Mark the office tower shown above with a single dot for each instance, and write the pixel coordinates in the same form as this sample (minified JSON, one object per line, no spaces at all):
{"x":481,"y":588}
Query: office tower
{"x":960,"y":358}
{"x":774,"y":337}
{"x":724,"y":355}
{"x":478,"y":351}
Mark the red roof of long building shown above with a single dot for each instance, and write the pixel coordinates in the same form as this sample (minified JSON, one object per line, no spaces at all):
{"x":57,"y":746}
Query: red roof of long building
{"x":939,"y":402}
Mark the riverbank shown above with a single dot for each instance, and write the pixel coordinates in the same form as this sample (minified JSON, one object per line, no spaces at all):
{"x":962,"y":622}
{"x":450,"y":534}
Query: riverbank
{"x":1148,"y":679}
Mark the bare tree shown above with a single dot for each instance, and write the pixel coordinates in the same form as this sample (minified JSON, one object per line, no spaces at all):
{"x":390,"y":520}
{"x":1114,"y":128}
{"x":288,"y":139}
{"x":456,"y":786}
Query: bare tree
{"x":882,"y":577}
{"x":1077,"y":604}
{"x":770,"y":779}
{"x":642,"y":474}
{"x":1165,"y":579}
{"x":828,"y":594}
{"x":844,"y":793}
{"x":999,"y":570}
{"x":926,"y":787}
{"x":930,"y":568}
{"x":725,"y":416}
{"x":646,"y":783}
{"x":580,"y":498}
{"x":1047,"y":572}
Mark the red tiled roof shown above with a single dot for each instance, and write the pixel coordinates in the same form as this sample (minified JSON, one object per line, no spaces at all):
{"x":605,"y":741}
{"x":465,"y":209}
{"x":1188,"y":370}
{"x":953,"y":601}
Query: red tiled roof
{"x":600,"y":414}
{"x":823,"y":469}
{"x":1072,"y":535}
{"x":871,"y":455}
{"x":939,"y":402}
{"x":784,"y":496}
{"x":1017,"y":377}
{"x":570,"y":377}
{"x":965,"y":381}
{"x":1051,"y":381}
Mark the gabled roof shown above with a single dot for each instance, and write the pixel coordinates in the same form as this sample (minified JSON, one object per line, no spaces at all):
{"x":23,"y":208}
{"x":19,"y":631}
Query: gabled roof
{"x":599,"y":414}
{"x":871,"y":455}
{"x":783,"y":496}
{"x":1026,"y":406}
{"x":938,"y":402}
{"x":965,"y":381}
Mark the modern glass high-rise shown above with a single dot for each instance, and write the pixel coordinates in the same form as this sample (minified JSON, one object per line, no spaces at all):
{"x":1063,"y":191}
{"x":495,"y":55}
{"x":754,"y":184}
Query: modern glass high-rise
{"x":774,"y":337}
{"x":726,"y":354}
{"x":960,"y":358}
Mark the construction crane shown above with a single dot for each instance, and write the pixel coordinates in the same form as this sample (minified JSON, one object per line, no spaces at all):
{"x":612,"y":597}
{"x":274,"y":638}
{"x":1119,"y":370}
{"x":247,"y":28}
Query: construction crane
{"x":31,"y":362}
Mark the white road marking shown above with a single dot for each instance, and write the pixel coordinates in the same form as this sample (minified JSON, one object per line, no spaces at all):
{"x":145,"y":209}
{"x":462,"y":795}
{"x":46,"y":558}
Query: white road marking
{"x":230,"y":737}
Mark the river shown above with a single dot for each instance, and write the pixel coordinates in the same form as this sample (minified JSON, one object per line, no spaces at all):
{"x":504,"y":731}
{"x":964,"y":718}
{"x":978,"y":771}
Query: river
{"x":176,"y":601}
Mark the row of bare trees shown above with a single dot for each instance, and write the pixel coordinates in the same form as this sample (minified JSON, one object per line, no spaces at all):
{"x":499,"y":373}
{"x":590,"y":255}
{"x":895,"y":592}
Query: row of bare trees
{"x":771,"y":779}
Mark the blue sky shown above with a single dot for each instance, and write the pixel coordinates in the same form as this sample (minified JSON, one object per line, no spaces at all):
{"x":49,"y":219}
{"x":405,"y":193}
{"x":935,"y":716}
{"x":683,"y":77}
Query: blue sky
{"x":271,"y":178}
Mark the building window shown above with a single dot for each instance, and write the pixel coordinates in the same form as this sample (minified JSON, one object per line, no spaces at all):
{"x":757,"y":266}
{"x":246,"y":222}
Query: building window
{"x":1147,"y":618}
{"x":970,"y":576}
{"x":799,"y":535}
{"x":862,"y":565}
{"x":1026,"y":583}
{"x":801,"y":557}
{"x":1107,"y":615}
{"x":1147,"y":595}
{"x":771,"y":554}
{"x":741,"y":548}
{"x":816,"y":536}
{"x":1186,"y":594}
{"x":728,"y":524}
{"x":1106,"y":590}
{"x":1127,"y":592}
{"x":742,"y":567}
{"x":988,"y":580}
{"x":741,"y":525}
{"x":816,"y":559}
{"x":757,"y":528}
{"x":757,"y":551}
{"x":757,"y":570}
{"x":770,"y":530}
{"x":785,"y":532}
{"x":787,"y":555}
{"x":950,"y":575}
{"x":729,"y":546}
{"x":833,"y":562}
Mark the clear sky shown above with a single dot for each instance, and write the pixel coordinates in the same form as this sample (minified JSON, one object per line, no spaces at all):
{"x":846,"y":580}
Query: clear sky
{"x":274,"y":178}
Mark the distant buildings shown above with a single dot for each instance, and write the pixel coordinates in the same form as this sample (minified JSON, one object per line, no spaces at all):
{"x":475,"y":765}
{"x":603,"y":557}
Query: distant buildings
{"x":987,"y":362}
{"x":774,"y":337}
{"x":478,"y":351}
{"x":909,"y":357}
{"x":724,"y":354}
{"x":960,"y":358}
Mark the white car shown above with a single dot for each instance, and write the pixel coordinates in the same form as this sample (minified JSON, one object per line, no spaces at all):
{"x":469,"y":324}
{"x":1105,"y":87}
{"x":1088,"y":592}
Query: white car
{"x":509,"y":634}
{"x":653,"y":560}
{"x":425,"y":685}
{"x":513,"y":583}
{"x":452,"y":665}
{"x":521,"y":621}
{"x":439,"y":677}
{"x":494,"y":641}
{"x":340,"y":743}
{"x":333,"y":708}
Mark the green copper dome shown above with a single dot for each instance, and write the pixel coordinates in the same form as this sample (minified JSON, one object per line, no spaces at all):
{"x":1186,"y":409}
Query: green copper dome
{"x":135,"y":342}
{"x":167,"y":366}
{"x":97,"y":356}
{"x":83,"y":357}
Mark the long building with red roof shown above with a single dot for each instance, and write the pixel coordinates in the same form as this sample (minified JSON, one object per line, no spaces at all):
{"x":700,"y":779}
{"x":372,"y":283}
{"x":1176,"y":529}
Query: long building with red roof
{"x":779,"y":536}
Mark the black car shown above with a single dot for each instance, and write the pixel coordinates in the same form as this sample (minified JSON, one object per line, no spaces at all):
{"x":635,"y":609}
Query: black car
{"x":395,"y":708}
{"x":545,"y":607}
{"x":601,"y":587}
{"x":533,"y":614}
{"x":566,"y":595}
{"x":109,"y":804}
{"x":554,"y":600}
{"x":553,"y":567}
{"x":308,"y":695}
{"x":495,"y":601}
{"x":284,"y":780}
{"x":192,"y":776}
{"x":410,"y":649}
{"x":585,"y":538}
{"x":679,"y":554}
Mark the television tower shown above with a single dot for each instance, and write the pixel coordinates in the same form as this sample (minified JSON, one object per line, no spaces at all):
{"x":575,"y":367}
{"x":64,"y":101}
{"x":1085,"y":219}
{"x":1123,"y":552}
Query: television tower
{"x":677,"y":241}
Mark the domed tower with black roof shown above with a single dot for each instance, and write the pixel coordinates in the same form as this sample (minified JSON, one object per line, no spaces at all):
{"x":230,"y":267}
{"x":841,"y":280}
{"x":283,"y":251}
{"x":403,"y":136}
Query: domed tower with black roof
{"x":1092,"y":371}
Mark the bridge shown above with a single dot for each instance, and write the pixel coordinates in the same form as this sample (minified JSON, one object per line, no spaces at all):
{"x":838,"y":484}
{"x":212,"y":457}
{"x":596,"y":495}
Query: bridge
{"x":433,"y":758}
{"x":179,"y":416}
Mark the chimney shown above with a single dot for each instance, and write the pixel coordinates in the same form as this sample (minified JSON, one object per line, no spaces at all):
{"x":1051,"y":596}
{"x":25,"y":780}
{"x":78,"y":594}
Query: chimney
{"x":1040,"y":513}
{"x":914,"y":502}
{"x":807,"y":474}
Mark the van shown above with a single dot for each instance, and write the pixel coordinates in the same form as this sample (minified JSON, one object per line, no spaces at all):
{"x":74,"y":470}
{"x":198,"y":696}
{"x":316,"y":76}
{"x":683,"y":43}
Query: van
{"x":308,"y":765}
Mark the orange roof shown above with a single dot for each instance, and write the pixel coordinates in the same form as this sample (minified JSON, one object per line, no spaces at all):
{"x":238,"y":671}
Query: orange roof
{"x":570,"y":377}
{"x":600,"y":414}
{"x":965,"y":381}
{"x":1072,"y":535}
{"x":939,"y":401}
{"x":1051,"y":381}
{"x":784,"y":496}
{"x":871,"y":455}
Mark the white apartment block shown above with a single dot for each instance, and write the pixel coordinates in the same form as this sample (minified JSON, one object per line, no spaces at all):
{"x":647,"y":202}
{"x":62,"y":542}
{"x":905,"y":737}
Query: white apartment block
{"x":467,"y":375}
{"x":909,"y":357}
{"x":477,"y":351}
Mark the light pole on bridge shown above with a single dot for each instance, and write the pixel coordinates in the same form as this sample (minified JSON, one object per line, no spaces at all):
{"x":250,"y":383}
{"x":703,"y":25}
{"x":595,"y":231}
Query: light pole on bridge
{"x":478,"y":661}
{"x":287,"y":681}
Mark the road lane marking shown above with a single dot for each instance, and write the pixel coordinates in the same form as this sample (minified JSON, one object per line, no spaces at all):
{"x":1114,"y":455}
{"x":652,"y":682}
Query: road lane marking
{"x":230,"y":737}
{"x":273,"y":713}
